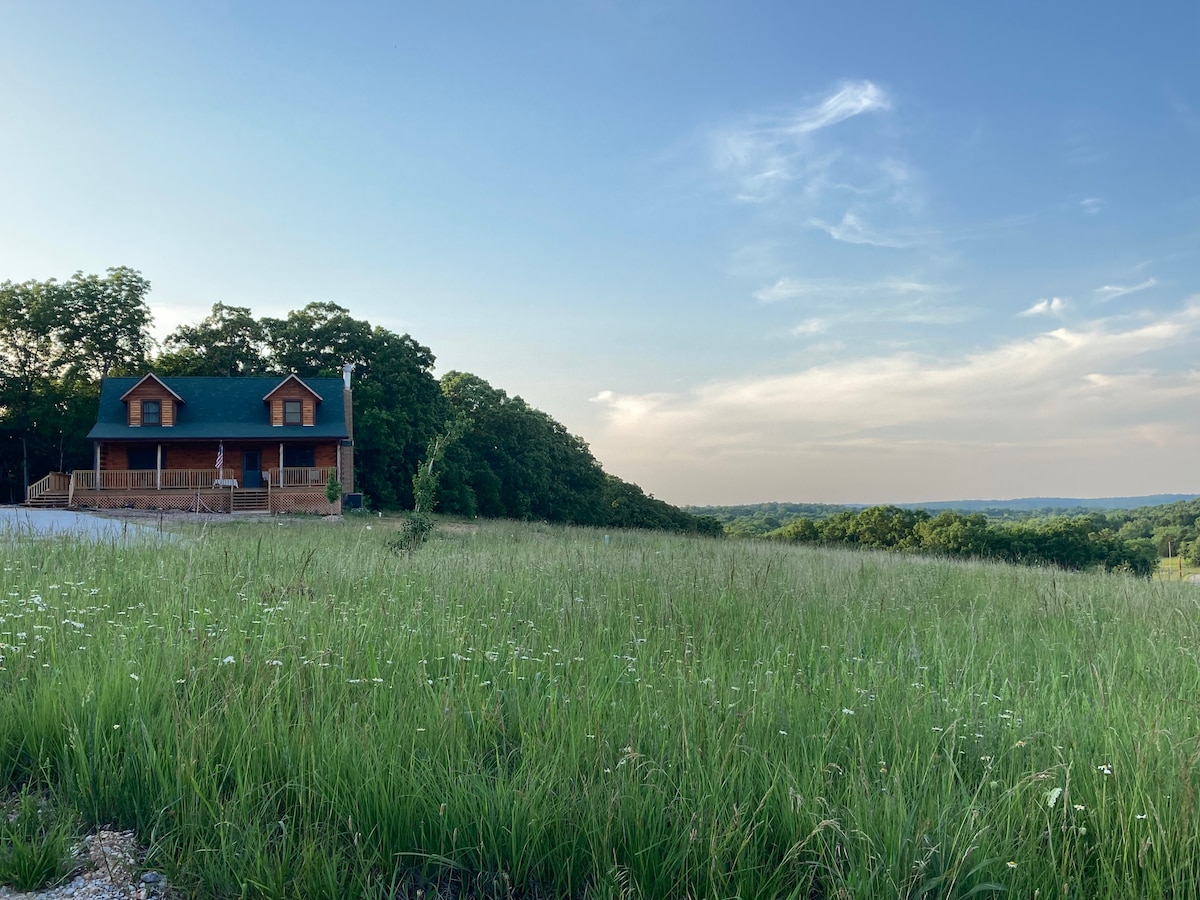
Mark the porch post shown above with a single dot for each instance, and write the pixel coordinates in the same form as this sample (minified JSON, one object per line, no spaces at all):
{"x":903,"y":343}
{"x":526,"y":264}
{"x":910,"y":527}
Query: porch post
{"x":97,"y":468}
{"x":158,"y":470}
{"x":281,"y":461}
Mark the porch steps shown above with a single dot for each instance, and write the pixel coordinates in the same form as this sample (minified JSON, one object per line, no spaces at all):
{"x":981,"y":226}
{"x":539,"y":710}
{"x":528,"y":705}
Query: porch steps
{"x":49,"y":500}
{"x":251,"y":500}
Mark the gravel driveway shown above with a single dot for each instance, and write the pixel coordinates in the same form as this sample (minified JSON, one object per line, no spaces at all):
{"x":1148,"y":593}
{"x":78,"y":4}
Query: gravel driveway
{"x":54,"y":522}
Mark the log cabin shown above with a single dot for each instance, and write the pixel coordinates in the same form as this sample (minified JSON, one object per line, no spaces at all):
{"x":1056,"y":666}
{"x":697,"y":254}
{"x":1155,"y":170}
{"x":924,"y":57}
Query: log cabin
{"x":217,"y":445}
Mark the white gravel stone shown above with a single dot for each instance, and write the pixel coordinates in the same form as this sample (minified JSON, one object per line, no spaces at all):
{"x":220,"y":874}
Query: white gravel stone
{"x":110,"y":862}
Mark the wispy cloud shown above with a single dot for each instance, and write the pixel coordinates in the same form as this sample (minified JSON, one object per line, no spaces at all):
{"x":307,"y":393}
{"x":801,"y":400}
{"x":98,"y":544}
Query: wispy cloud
{"x":802,"y":288}
{"x":838,"y":301}
{"x":854,"y":98}
{"x":1092,"y":205}
{"x":853,"y":230}
{"x":1054,"y":306}
{"x":808,"y":327}
{"x":769,"y":153}
{"x":1112,"y":291}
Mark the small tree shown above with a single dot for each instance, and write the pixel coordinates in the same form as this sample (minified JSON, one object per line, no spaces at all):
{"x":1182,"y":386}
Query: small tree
{"x":418,"y":524}
{"x":333,"y":488}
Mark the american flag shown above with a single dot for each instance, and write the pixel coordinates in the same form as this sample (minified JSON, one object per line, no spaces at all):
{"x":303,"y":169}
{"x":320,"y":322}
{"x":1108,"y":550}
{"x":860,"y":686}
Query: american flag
{"x":220,"y":457}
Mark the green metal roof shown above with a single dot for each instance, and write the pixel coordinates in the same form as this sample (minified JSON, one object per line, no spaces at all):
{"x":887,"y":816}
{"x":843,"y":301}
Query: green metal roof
{"x":220,"y":409}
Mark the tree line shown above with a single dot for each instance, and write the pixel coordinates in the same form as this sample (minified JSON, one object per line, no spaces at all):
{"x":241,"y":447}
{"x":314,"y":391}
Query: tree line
{"x":58,"y":340}
{"x":1070,"y":542}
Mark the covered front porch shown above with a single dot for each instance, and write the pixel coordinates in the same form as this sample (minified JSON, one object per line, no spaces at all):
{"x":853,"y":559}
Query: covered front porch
{"x":225,"y":476}
{"x":289,"y":490}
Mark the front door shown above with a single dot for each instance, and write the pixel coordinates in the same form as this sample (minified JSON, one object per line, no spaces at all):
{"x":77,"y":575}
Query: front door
{"x":251,"y":469}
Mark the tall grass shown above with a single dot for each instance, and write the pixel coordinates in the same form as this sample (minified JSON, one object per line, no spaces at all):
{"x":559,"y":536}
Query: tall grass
{"x":524,"y":711}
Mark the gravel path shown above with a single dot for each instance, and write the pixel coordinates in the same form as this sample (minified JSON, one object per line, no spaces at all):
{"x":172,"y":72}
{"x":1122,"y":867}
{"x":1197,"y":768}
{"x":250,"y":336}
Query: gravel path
{"x":51,"y":522}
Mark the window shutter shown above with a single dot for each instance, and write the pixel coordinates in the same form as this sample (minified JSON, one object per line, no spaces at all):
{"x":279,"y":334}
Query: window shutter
{"x":135,"y":413}
{"x":308,"y":412}
{"x":276,"y":412}
{"x":168,"y":413}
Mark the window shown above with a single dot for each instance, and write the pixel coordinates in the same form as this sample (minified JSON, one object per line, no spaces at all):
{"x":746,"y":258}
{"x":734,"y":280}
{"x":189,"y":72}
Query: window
{"x":151,"y":412}
{"x":142,"y":458}
{"x":299,"y":457}
{"x":291,"y":412}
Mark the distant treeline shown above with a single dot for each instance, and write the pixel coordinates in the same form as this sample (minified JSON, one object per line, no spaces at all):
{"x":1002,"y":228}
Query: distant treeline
{"x":1070,"y":542}
{"x":753,"y":519}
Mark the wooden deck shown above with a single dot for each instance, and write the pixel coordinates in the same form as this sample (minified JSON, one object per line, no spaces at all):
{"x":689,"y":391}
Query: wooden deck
{"x":195,"y":490}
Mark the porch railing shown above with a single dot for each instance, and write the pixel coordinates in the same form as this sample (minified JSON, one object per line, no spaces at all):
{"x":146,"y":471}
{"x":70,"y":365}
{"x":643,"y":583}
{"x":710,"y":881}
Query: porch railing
{"x":289,"y":476}
{"x":188,"y":479}
{"x":54,"y":483}
{"x":148,"y":479}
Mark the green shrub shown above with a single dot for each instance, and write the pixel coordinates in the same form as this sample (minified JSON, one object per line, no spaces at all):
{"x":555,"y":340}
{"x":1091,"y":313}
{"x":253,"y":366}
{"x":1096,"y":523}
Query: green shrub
{"x":414,"y":530}
{"x":36,"y":842}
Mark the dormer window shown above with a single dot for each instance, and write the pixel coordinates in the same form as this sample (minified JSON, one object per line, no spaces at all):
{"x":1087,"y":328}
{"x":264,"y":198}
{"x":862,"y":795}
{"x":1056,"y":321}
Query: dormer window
{"x":291,"y":412}
{"x":151,"y":412}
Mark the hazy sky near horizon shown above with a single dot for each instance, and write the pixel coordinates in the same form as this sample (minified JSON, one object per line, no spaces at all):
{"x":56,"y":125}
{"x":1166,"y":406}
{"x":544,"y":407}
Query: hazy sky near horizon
{"x":839,"y":252}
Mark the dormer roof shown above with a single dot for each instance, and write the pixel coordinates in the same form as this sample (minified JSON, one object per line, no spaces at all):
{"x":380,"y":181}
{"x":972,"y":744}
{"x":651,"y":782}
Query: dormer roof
{"x":292,"y":379}
{"x":154,"y":378}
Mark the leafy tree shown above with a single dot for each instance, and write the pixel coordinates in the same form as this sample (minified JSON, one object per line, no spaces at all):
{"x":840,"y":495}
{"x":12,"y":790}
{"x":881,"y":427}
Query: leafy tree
{"x":798,"y":531}
{"x":516,"y":461}
{"x":840,"y":528}
{"x":628,"y":506}
{"x":888,"y":527}
{"x":954,"y":534}
{"x":55,"y":340}
{"x":103,"y":323}
{"x":317,"y":340}
{"x":229,"y":341}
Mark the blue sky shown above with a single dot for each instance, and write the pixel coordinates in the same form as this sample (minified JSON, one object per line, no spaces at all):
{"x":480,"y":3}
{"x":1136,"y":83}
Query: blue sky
{"x":863,"y":252}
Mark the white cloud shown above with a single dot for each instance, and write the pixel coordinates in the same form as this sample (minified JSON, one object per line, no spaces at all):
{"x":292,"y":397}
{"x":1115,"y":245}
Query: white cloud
{"x":1092,"y":205}
{"x":1112,"y":291}
{"x":766,"y":155}
{"x":852,"y":230}
{"x":808,"y":326}
{"x":1055,"y":306}
{"x":896,"y":299}
{"x":1098,"y":387}
{"x":853,"y":99}
{"x":801,"y":288}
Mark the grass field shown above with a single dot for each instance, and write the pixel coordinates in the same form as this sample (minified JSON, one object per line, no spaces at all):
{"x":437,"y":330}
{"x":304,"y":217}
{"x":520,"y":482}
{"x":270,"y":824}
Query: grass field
{"x":525,"y":711}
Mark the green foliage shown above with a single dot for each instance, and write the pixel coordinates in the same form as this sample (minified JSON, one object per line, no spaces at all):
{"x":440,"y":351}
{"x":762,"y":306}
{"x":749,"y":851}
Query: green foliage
{"x":628,"y":506}
{"x":515,"y":461}
{"x":425,"y":481}
{"x":1081,"y":542}
{"x":228,"y":342}
{"x":103,"y":324}
{"x":56,"y":341}
{"x":415,"y":529}
{"x":752,"y":519}
{"x":333,"y":488}
{"x":36,"y":841}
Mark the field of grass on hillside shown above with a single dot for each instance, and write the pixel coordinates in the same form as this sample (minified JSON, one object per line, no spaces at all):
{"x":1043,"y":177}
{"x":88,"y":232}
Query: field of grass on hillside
{"x":525,"y":711}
